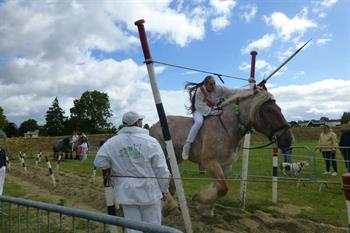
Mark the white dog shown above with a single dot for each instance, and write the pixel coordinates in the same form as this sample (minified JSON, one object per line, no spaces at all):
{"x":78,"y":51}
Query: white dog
{"x":296,"y":168}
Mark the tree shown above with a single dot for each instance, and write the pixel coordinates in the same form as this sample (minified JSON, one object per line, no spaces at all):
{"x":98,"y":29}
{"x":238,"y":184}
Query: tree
{"x":3,"y":120}
{"x":91,"y":112}
{"x":324,"y":119}
{"x":345,"y":117}
{"x":11,"y":130}
{"x":55,"y":119}
{"x":28,"y":125}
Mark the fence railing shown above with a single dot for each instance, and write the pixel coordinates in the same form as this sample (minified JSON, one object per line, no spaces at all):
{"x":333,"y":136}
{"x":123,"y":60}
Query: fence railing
{"x":35,"y":216}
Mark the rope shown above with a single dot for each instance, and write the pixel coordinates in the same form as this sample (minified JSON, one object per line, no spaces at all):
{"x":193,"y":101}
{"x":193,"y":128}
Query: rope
{"x":197,"y":70}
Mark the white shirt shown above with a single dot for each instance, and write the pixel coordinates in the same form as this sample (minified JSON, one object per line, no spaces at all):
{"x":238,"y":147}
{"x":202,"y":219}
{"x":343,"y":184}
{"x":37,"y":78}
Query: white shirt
{"x":134,"y":153}
{"x":202,"y":106}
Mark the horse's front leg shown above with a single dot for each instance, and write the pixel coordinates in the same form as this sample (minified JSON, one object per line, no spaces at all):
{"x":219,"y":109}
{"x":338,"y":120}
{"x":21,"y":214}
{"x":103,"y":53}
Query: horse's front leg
{"x":219,"y":186}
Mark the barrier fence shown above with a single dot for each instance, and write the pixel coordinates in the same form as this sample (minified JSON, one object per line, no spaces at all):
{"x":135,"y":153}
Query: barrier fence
{"x":22,"y":215}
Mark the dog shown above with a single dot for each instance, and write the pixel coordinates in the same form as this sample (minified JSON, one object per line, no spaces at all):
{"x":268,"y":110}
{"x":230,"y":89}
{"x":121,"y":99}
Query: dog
{"x":295,"y":168}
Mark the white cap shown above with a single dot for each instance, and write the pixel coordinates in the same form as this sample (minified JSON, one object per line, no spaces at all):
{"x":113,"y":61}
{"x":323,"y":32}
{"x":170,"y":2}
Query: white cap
{"x":130,"y":118}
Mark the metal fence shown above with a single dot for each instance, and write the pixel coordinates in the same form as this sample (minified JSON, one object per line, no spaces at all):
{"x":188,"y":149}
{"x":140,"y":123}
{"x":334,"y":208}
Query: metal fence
{"x":22,"y":215}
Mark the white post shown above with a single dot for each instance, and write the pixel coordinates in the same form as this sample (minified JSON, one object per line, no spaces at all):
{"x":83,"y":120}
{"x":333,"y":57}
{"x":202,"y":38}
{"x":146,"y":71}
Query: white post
{"x":246,"y":144}
{"x":165,"y":128}
{"x":50,"y":171}
{"x":274,"y":174}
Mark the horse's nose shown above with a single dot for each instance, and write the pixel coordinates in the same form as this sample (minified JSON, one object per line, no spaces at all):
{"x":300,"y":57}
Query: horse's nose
{"x":285,"y":140}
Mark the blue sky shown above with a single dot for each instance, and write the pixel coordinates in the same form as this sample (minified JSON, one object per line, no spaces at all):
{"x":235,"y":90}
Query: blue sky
{"x":63,"y":48}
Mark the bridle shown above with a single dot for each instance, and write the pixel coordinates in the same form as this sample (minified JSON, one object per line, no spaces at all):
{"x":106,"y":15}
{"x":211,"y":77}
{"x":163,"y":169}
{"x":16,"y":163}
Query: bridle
{"x":249,"y":127}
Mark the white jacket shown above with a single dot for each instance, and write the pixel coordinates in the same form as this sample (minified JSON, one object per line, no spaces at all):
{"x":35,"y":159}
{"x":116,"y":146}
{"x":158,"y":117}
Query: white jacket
{"x":133,"y":153}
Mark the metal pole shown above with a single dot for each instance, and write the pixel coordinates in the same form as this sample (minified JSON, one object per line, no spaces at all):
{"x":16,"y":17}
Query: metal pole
{"x":246,"y":144}
{"x":164,"y":125}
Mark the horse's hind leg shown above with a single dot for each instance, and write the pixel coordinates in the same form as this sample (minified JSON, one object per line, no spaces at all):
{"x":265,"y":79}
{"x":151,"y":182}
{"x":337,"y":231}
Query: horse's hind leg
{"x":218,"y":188}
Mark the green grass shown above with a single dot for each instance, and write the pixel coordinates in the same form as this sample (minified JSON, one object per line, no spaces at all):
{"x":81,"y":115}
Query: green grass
{"x":326,"y":206}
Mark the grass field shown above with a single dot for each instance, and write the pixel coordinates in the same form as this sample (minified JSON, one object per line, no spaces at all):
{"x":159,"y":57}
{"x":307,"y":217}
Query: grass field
{"x":300,"y":201}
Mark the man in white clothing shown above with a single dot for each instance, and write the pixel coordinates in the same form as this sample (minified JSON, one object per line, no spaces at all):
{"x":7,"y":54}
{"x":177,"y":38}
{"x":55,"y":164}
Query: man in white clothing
{"x":139,"y":170}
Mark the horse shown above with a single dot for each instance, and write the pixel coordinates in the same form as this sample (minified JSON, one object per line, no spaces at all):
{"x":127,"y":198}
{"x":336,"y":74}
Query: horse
{"x":62,"y":146}
{"x":216,"y":145}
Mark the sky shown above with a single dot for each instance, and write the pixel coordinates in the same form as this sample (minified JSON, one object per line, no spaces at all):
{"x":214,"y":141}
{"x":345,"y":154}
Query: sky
{"x":63,"y":48}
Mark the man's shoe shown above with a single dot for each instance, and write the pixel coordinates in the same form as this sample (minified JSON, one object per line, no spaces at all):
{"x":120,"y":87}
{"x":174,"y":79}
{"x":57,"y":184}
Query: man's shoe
{"x":186,"y":150}
{"x":334,"y":174}
{"x":326,"y":173}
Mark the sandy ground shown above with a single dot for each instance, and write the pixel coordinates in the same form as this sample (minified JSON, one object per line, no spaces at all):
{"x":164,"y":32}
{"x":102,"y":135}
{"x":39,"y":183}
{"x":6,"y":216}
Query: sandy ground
{"x":76,"y":190}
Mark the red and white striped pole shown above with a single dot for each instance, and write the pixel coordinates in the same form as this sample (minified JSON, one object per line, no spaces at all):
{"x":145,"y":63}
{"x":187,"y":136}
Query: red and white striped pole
{"x":22,"y":161}
{"x":50,"y":171}
{"x":274,"y":173}
{"x":346,"y":188}
{"x":246,"y":144}
{"x":164,"y":125}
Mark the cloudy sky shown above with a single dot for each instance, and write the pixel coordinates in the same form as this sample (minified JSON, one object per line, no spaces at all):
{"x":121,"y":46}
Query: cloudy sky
{"x":63,"y":48}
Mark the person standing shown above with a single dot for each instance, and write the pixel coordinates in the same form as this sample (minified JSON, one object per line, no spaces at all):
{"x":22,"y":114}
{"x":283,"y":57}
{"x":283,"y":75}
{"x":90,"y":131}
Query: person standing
{"x":344,"y":147}
{"x":139,"y":170}
{"x":328,"y":143}
{"x":2,"y":169}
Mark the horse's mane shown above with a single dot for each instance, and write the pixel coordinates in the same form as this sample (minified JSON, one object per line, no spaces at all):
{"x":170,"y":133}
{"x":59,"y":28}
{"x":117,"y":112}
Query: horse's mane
{"x":260,"y":97}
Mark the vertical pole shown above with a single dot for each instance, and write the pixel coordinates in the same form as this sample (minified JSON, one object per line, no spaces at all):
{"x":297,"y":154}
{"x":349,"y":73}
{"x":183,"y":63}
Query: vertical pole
{"x":274,"y":174}
{"x":22,"y":162}
{"x":164,"y":125}
{"x":50,"y":171}
{"x":346,"y":188}
{"x":246,"y":144}
{"x":94,"y":175}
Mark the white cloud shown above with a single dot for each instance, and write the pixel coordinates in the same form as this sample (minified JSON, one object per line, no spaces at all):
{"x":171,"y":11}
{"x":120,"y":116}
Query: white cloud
{"x":260,"y":44}
{"x":286,"y":27}
{"x":324,"y":39}
{"x":248,"y":12}
{"x":314,"y":100}
{"x":222,"y":9}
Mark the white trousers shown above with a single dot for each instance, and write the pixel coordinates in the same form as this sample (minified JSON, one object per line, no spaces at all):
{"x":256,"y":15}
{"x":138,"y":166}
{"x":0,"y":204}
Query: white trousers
{"x":198,"y":122}
{"x":2,"y":178}
{"x":146,"y":213}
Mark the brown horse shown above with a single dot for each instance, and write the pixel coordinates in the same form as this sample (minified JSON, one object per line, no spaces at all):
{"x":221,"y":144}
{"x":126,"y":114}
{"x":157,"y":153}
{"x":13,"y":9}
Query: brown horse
{"x":215,"y":148}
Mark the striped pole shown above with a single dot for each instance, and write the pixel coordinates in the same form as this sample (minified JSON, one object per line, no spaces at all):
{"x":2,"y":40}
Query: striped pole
{"x":22,"y":161}
{"x":246,"y":144}
{"x":94,"y":175}
{"x":109,"y":192}
{"x":164,"y":125}
{"x":50,"y":171}
{"x":58,"y":162}
{"x":274,"y":174}
{"x":346,"y":188}
{"x":8,"y":165}
{"x":38,"y":158}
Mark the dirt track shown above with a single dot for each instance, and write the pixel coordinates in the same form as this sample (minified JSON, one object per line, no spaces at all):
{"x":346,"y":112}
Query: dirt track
{"x":76,"y":190}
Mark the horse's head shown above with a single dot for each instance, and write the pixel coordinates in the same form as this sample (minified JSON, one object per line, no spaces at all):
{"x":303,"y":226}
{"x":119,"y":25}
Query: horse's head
{"x":260,"y":111}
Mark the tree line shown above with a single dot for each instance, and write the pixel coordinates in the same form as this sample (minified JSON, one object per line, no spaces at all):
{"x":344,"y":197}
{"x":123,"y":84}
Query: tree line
{"x":89,"y":114}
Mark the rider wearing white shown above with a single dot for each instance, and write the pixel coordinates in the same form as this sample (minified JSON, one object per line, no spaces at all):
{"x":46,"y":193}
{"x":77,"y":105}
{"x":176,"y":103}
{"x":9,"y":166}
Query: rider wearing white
{"x":204,"y":97}
{"x":133,"y":155}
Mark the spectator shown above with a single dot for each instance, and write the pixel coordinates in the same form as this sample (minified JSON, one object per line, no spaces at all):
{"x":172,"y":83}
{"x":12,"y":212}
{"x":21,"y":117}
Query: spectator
{"x":135,"y":159}
{"x":328,"y":143}
{"x":344,"y":147}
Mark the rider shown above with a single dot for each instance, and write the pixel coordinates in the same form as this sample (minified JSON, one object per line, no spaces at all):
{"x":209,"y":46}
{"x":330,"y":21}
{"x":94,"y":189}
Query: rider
{"x":204,"y":97}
